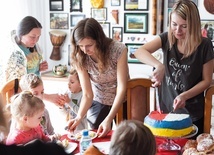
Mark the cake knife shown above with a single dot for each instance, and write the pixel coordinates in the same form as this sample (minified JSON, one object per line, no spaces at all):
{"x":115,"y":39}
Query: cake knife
{"x":157,"y":100}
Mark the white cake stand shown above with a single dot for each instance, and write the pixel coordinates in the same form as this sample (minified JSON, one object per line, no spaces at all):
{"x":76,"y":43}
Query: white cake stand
{"x":170,"y":145}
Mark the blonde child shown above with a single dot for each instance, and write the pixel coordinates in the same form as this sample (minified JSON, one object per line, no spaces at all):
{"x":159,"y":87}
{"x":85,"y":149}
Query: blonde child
{"x":73,"y":98}
{"x":33,"y":83}
{"x":27,"y":111}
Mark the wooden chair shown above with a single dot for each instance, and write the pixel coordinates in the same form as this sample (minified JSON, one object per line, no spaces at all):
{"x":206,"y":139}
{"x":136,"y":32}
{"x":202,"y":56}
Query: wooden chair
{"x":138,"y":100}
{"x":9,"y":89}
{"x":208,"y":108}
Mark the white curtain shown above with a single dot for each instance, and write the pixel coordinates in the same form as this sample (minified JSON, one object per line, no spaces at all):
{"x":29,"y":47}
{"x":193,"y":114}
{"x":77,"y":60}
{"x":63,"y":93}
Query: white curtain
{"x":12,"y":11}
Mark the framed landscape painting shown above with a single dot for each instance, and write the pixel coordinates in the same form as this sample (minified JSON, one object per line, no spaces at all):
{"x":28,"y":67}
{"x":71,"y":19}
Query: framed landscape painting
{"x":136,"y":23}
{"x":132,"y":47}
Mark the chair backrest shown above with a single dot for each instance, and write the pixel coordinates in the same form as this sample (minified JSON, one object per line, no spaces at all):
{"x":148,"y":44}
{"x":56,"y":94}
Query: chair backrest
{"x":208,"y":108}
{"x":9,"y":89}
{"x":139,"y":100}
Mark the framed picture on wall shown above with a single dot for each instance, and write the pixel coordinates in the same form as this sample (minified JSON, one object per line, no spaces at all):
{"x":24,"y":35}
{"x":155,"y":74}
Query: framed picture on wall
{"x":75,"y":5}
{"x":106,"y":28}
{"x":99,"y":14}
{"x":117,"y":33}
{"x":59,"y":20}
{"x":74,"y":19}
{"x":137,"y":5}
{"x":115,"y":2}
{"x":136,"y":23}
{"x":209,"y":26}
{"x":56,"y":5}
{"x":132,"y":47}
{"x":172,"y":2}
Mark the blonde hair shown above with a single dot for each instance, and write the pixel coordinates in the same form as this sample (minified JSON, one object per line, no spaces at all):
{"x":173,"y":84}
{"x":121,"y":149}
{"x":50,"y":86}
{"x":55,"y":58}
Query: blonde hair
{"x":29,"y":81}
{"x":25,"y":104}
{"x":188,"y":11}
{"x":74,"y":72}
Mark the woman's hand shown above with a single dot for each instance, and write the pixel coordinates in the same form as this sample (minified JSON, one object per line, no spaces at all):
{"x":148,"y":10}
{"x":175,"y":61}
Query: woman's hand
{"x":57,"y":99}
{"x":158,"y":75}
{"x":104,"y":129}
{"x":43,"y":66}
{"x":179,"y":102}
{"x":72,"y":124}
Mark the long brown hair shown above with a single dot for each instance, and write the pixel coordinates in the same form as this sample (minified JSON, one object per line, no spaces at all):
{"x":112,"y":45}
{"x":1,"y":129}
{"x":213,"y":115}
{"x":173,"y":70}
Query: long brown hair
{"x":90,"y":28}
{"x":188,"y":11}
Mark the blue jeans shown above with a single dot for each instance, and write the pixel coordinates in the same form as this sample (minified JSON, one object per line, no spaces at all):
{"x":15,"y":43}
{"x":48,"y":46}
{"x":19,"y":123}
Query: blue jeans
{"x":97,"y":113}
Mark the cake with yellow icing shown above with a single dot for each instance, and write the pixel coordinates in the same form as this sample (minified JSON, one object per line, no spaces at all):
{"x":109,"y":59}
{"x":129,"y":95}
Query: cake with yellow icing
{"x":169,"y":125}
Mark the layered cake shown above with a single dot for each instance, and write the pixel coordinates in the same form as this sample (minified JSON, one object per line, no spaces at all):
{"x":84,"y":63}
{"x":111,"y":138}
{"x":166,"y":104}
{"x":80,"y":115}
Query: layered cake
{"x":169,"y":125}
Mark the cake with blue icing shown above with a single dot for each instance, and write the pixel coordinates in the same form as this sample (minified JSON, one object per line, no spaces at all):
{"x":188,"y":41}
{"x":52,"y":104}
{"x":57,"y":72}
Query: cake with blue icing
{"x":169,"y":125}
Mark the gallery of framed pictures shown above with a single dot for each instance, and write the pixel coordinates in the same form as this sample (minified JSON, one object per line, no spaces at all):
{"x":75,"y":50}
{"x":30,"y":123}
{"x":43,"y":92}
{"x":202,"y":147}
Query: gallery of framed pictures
{"x":75,"y":18}
{"x":132,"y":47}
{"x":75,"y":5}
{"x":56,"y":5}
{"x":59,"y":20}
{"x":210,"y":28}
{"x":136,"y":5}
{"x":99,"y":14}
{"x":136,"y":23}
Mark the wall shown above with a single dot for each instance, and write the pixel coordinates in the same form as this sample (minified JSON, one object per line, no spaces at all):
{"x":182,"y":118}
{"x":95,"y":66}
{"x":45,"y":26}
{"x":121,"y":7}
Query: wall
{"x":136,"y":70}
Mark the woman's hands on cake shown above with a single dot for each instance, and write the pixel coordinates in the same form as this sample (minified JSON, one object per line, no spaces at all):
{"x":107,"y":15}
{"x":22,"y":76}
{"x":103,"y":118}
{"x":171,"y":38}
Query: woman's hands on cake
{"x":179,"y":102}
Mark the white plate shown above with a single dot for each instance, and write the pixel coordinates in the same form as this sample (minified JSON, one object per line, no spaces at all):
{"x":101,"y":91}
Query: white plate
{"x":78,"y":135}
{"x":103,"y":146}
{"x":71,"y":147}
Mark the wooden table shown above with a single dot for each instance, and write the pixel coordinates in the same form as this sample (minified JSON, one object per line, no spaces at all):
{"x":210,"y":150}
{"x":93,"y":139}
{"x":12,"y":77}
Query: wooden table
{"x":180,"y":142}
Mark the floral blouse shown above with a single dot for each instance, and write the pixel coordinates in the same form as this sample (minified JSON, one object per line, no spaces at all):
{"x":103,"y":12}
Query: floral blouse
{"x":17,"y":63}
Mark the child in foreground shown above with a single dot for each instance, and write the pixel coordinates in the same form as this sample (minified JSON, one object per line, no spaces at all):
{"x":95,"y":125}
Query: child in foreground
{"x":27,"y":111}
{"x":130,"y":137}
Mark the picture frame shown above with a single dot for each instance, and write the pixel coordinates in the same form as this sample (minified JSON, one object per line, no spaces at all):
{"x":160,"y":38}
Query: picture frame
{"x":115,"y":2}
{"x":75,"y":18}
{"x":69,"y":55}
{"x":117,"y":33}
{"x":106,"y":28}
{"x":132,"y":47}
{"x":210,"y":29}
{"x":99,"y":14}
{"x":136,"y":23}
{"x":75,"y":5}
{"x":56,"y":5}
{"x":172,"y":2}
{"x":58,"y":20}
{"x":137,"y":5}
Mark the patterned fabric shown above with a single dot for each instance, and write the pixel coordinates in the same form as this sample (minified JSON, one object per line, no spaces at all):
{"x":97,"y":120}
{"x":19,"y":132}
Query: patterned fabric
{"x":17,"y":63}
{"x":22,"y":137}
{"x":104,"y":84}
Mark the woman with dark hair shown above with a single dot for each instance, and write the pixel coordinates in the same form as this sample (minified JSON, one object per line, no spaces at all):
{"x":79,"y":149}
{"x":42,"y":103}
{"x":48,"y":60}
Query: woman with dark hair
{"x":102,"y":67}
{"x":26,"y":56}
